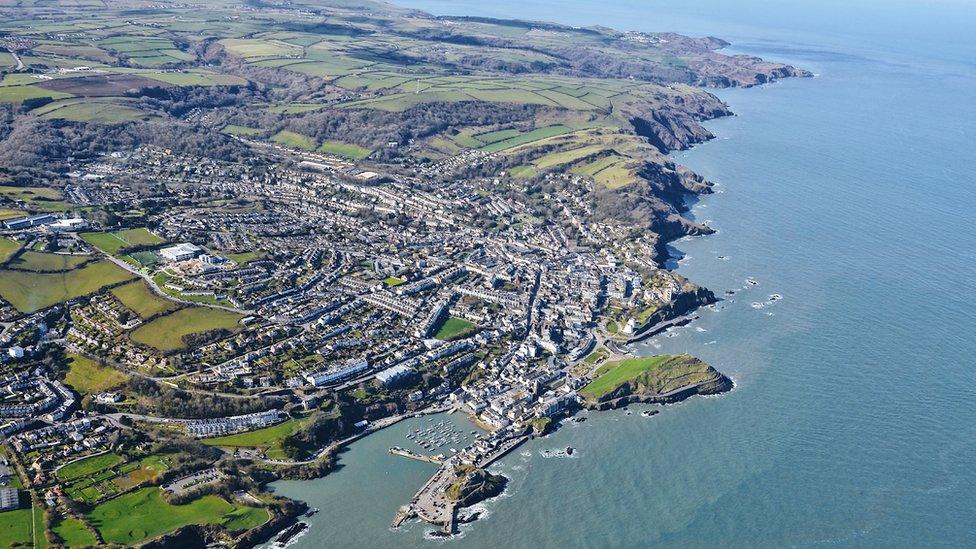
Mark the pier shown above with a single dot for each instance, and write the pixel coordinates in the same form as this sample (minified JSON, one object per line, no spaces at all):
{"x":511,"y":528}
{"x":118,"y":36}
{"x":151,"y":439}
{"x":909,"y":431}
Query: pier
{"x":397,"y":451}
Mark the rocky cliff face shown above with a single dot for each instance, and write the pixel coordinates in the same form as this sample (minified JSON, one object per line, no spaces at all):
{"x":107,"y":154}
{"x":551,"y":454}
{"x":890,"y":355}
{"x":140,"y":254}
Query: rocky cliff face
{"x":678,"y":378}
{"x":476,"y":485}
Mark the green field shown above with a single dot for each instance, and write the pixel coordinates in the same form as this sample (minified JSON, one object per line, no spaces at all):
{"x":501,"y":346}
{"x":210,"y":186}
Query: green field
{"x":47,"y":262}
{"x":523,"y":138}
{"x":111,"y":243}
{"x":454,"y":328}
{"x":347,"y":150}
{"x":74,"y":533}
{"x":86,"y":376}
{"x":16,"y":528}
{"x":655,"y":374}
{"x":294,"y":140}
{"x":166,"y":332}
{"x":104,"y":112}
{"x":565,"y":157}
{"x":29,"y":292}
{"x":19,"y":94}
{"x":8,"y":248}
{"x":88,"y":466}
{"x":268,"y":439}
{"x":392,"y":281}
{"x":143,"y":514}
{"x":29,"y":194}
{"x":248,"y":48}
{"x":138,"y":298}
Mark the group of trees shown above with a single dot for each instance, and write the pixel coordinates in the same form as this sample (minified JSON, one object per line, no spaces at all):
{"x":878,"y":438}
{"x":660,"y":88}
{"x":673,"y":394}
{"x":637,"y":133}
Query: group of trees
{"x":163,"y":400}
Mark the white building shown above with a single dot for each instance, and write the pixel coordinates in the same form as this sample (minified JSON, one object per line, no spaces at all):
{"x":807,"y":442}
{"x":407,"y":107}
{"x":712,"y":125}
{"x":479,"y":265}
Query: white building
{"x":71,"y":225}
{"x":181,"y":252}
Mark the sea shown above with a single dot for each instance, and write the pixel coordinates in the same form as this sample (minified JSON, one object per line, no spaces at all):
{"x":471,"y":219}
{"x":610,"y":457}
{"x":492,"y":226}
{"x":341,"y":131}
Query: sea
{"x":845,"y":212}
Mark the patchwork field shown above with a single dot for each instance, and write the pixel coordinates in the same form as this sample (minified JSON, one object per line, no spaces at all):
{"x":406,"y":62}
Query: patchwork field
{"x":143,"y":514}
{"x":29,"y":292}
{"x":166,"y":332}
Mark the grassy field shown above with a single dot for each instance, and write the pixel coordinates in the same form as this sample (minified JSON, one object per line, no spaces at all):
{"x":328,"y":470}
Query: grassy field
{"x":347,"y":150}
{"x":111,"y":243}
{"x":166,"y":332}
{"x":8,"y":248}
{"x":655,"y":374}
{"x":147,"y":469}
{"x":596,"y":356}
{"x":46,"y":262}
{"x":268,"y":439}
{"x":29,"y":292}
{"x":11,"y":213}
{"x":16,"y":528}
{"x":86,"y":376}
{"x":454,"y":328}
{"x":143,"y":514}
{"x":74,"y":533}
{"x":29,"y":194}
{"x":88,"y":466}
{"x":19,"y":94}
{"x":392,"y":281}
{"x":138,"y":298}
{"x":104,"y":112}
{"x":523,"y":138}
{"x":250,"y":49}
{"x":242,"y":257}
{"x":294,"y":140}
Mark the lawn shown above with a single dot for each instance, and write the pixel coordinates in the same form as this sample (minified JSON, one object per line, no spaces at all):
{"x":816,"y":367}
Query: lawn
{"x":29,"y":292}
{"x":294,"y":140}
{"x":143,"y":514}
{"x":88,"y":466}
{"x":74,"y":533}
{"x":242,"y":257}
{"x":654,"y":374}
{"x":268,"y":439}
{"x":87,"y":376}
{"x":392,"y":282}
{"x":166,"y":332}
{"x":138,"y":298}
{"x":46,"y":262}
{"x":596,"y":356}
{"x":454,"y":328}
{"x":347,"y":150}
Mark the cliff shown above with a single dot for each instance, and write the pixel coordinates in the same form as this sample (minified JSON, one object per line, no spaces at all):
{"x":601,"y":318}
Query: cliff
{"x":658,"y":379}
{"x":475,"y":485}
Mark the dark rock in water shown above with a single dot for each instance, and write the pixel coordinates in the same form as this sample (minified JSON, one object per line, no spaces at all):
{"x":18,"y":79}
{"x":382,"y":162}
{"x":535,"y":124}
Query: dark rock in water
{"x":438,"y":534}
{"x":729,"y":292}
{"x":580,"y":419}
{"x":570,"y":450}
{"x":291,"y":532}
{"x":468,"y":519}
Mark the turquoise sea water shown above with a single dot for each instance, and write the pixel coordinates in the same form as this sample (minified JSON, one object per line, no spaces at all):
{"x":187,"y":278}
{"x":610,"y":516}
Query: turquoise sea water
{"x":854,"y":417}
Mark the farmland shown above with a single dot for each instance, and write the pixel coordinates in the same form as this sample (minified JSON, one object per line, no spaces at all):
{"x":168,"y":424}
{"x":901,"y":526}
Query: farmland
{"x":113,"y":242}
{"x":8,"y":248}
{"x":29,"y":292}
{"x":166,"y":332}
{"x":294,"y":140}
{"x":73,"y":532}
{"x":17,"y":528}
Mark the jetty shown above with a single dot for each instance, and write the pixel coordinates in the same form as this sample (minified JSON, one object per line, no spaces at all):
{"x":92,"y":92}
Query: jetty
{"x":397,"y":451}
